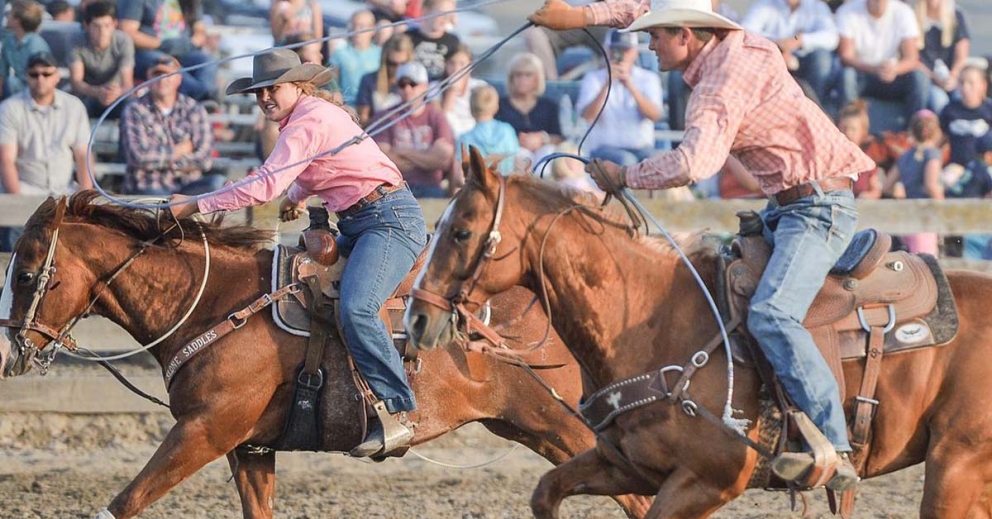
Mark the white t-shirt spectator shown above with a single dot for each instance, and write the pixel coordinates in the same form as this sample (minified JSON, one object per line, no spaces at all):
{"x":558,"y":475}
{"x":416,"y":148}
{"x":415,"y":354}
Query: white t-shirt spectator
{"x":621,"y":123}
{"x":774,"y":20}
{"x":877,"y":40}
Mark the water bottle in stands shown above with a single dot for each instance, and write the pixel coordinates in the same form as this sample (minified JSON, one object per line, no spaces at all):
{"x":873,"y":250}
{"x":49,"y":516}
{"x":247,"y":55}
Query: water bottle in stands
{"x":940,"y":70}
{"x":566,"y":117}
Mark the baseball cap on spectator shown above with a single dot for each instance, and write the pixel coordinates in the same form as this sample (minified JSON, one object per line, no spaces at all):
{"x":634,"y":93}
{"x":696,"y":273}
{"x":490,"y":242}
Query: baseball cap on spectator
{"x":621,"y":40}
{"x":983,"y":144}
{"x":164,"y":64}
{"x":44,"y":58}
{"x":412,"y":70}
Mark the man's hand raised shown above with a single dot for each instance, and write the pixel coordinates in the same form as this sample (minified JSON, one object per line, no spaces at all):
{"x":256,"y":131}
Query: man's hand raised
{"x":558,"y":15}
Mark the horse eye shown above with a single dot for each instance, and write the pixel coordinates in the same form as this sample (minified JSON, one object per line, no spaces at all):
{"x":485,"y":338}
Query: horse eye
{"x":25,"y":278}
{"x":462,"y":235}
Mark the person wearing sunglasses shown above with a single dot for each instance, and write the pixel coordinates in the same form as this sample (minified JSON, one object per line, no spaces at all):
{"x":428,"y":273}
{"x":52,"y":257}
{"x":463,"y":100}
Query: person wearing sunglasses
{"x":43,"y":134}
{"x":376,"y":91}
{"x":382,"y":228}
{"x":420,"y":141}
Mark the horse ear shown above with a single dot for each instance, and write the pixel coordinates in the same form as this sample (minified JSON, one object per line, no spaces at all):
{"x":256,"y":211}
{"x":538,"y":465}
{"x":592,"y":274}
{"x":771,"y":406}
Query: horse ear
{"x":465,"y":161}
{"x":60,"y":208}
{"x":482,"y":174}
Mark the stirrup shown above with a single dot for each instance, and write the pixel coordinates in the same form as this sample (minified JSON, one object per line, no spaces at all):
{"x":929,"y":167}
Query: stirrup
{"x":387,"y":436}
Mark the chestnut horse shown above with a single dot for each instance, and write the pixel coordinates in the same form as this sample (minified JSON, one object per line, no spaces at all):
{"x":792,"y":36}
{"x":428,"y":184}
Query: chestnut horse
{"x":627,"y":305}
{"x":238,"y":390}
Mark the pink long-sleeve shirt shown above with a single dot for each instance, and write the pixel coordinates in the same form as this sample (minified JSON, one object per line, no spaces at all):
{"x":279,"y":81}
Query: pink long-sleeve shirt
{"x":340,"y":180}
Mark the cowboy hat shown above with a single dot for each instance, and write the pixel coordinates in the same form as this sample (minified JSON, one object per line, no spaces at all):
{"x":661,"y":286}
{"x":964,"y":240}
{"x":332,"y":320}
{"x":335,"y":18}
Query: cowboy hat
{"x":682,"y":13}
{"x":279,"y":66}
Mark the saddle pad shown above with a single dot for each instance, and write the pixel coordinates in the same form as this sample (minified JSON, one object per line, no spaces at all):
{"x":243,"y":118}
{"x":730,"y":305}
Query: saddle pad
{"x":290,"y":314}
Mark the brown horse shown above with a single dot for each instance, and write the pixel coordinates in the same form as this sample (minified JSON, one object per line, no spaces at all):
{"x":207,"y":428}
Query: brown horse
{"x":237,"y":391}
{"x":626,"y":306}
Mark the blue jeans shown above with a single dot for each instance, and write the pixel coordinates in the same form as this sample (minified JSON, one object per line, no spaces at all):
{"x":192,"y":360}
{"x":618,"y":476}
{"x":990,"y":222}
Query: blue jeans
{"x":9,"y":237}
{"x":817,"y":68}
{"x":381,"y":241}
{"x":808,"y":237}
{"x":912,"y":88}
{"x":208,"y":183}
{"x":622,"y":156}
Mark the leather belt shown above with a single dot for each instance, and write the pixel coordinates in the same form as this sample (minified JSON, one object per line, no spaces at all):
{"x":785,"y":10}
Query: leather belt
{"x":827,"y":185}
{"x":380,"y":191}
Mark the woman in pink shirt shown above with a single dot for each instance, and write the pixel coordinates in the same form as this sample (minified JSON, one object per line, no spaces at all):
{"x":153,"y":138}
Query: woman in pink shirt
{"x":381,"y":224}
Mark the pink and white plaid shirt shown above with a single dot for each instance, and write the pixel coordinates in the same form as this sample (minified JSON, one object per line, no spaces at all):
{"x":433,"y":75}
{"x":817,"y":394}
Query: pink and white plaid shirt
{"x":744,"y":102}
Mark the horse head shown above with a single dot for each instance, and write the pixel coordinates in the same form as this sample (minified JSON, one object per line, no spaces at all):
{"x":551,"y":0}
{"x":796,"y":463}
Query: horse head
{"x":473,"y":256}
{"x":41,"y":292}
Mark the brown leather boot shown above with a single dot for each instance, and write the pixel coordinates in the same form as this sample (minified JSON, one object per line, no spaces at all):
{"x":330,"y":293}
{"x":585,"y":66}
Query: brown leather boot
{"x":792,"y":466}
{"x":376,"y":441}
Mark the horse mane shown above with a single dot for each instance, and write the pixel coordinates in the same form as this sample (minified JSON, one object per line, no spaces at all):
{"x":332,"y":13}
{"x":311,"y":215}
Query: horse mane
{"x":89,"y":207}
{"x":556,"y":196}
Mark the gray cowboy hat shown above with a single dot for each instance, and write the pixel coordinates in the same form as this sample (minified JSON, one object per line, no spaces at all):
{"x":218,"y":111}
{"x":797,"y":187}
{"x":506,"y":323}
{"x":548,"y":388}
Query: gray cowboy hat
{"x":279,"y":66}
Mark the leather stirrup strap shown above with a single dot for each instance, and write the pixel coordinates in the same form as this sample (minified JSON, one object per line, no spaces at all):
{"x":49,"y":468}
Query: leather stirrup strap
{"x":864,"y":412}
{"x":320,"y":325}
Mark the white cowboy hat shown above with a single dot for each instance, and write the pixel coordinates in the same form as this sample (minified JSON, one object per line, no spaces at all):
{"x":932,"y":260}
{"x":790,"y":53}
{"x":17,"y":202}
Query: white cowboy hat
{"x":279,"y":66}
{"x":682,"y":13}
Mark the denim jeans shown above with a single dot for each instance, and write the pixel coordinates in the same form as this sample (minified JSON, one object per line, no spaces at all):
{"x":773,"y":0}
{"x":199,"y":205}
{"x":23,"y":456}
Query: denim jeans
{"x":808,"y":237}
{"x":622,"y":156}
{"x":817,"y":68}
{"x":381,"y":242}
{"x":208,"y":183}
{"x":9,"y":237}
{"x":912,"y":88}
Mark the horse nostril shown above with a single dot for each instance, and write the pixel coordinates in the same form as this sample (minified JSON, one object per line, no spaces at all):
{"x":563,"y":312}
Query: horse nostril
{"x":417,"y":326}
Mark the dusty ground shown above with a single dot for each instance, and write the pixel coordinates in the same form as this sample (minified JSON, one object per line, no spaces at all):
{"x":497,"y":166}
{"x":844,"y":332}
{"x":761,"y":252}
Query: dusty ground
{"x":71,"y":466}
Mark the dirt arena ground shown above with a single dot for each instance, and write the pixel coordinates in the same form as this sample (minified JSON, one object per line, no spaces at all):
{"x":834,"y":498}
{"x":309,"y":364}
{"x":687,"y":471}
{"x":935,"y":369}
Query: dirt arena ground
{"x":72,"y":465}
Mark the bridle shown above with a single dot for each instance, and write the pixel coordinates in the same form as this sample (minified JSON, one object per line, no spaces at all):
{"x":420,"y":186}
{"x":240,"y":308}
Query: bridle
{"x":456,"y":305}
{"x":61,"y":338}
{"x":30,"y":323}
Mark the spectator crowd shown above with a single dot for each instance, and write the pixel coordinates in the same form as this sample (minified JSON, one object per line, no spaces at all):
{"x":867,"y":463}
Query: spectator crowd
{"x":907,"y":59}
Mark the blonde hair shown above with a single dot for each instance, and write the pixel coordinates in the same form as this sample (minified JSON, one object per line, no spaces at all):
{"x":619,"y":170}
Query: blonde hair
{"x":484,"y":101}
{"x":948,"y":22}
{"x":309,"y":89}
{"x":526,"y":61}
{"x":397,"y":43}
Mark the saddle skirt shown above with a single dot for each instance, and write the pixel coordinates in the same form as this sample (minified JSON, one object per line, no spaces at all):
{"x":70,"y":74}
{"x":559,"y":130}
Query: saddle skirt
{"x":906,"y":294}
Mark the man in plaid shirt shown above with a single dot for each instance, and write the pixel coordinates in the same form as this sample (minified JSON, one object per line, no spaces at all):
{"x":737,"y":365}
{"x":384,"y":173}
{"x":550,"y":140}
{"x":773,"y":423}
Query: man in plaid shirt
{"x":745,"y":103}
{"x":167,"y":139}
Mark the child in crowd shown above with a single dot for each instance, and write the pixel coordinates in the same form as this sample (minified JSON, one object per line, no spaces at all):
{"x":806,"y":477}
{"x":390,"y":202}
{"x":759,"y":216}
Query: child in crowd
{"x":495,"y":139}
{"x":973,"y":181}
{"x":20,"y":43}
{"x":853,"y":122}
{"x":918,"y":173}
{"x":359,"y":56}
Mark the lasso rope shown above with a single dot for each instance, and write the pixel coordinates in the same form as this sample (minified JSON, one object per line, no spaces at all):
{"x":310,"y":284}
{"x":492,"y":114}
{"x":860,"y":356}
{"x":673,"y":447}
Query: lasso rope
{"x":397,"y":113}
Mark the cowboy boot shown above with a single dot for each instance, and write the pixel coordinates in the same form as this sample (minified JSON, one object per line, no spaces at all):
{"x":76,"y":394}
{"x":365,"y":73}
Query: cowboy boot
{"x":385,"y":435}
{"x":794,"y":466}
{"x":845,"y":475}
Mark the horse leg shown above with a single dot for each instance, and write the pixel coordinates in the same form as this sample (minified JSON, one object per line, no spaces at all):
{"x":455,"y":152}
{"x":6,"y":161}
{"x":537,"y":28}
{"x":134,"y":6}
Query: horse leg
{"x":633,"y":505}
{"x":186,"y":449}
{"x":254,"y":475}
{"x":955,"y":483}
{"x":588,"y":473}
{"x":683,"y":495}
